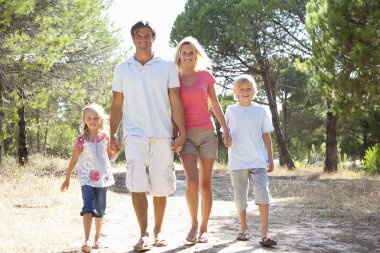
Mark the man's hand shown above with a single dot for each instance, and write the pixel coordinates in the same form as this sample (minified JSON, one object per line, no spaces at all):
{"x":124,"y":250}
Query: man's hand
{"x":178,"y":144}
{"x":114,"y":144}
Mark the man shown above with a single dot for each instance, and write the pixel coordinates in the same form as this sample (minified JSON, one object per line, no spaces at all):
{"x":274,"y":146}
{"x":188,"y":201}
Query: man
{"x":147,"y":85}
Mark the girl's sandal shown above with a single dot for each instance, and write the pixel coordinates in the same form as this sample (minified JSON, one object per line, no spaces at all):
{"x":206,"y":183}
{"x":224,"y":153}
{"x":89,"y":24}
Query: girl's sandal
{"x":86,"y":248}
{"x":97,"y":245}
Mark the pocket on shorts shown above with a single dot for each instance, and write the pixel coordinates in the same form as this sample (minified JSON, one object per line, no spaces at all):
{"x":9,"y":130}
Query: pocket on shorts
{"x":171,"y":178}
{"x":129,"y":174}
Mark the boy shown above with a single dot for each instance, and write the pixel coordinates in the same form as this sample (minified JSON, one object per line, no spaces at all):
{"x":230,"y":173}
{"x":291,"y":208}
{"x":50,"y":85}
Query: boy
{"x":250,"y":155}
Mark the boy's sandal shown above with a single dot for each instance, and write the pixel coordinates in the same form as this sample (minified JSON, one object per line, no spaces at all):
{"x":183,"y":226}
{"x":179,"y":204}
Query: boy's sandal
{"x":243,"y":236}
{"x":160,"y":242}
{"x":268,"y":242}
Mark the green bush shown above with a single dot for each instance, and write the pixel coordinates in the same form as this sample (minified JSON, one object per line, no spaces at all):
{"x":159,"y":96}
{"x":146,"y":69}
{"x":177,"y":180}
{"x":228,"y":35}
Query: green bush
{"x":371,"y":161}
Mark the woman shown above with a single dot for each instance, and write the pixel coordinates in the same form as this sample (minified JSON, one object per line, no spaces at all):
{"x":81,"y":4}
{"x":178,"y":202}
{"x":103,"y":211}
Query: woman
{"x":196,"y":89}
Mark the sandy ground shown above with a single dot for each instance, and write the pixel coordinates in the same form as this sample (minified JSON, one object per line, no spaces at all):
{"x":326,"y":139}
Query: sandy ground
{"x":50,"y":222}
{"x":293,"y":231}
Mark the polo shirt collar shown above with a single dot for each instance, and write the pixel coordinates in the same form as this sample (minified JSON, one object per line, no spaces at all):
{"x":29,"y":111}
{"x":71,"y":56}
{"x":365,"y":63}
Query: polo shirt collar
{"x":131,"y":60}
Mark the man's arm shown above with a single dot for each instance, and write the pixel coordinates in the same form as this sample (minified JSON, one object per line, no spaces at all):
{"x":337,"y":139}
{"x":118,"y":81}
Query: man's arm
{"x":178,"y":117}
{"x":268,"y":145}
{"x":115,"y":118}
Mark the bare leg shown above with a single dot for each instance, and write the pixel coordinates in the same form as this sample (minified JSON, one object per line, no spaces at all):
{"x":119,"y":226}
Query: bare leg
{"x":206,"y":190}
{"x":140,"y":204}
{"x":98,"y":227}
{"x":189,"y":162}
{"x":159,"y":204}
{"x":243,"y":221}
{"x":87,"y":220}
{"x":264,"y":219}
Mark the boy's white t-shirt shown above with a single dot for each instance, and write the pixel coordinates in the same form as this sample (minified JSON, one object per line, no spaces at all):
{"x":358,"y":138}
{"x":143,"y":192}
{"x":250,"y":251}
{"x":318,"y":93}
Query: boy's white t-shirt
{"x":246,"y":125}
{"x":146,"y":99}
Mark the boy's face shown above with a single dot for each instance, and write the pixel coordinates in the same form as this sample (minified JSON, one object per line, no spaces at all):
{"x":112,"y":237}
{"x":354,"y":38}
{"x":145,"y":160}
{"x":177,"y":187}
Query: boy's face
{"x":244,"y":93}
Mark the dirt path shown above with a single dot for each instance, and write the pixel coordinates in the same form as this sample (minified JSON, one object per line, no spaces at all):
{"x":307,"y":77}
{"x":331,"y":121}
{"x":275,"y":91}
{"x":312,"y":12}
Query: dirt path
{"x":294,"y":232}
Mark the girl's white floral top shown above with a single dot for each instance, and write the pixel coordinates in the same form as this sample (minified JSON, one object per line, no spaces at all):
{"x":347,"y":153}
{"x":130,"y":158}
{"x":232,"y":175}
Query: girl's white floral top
{"x":94,"y":166}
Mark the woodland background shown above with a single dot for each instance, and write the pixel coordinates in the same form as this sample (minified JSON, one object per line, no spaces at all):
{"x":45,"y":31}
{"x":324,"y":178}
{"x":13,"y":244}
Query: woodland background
{"x":316,"y":63}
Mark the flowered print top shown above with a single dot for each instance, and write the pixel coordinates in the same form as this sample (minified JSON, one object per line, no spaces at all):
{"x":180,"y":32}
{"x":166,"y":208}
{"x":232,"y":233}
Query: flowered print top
{"x":94,"y":166}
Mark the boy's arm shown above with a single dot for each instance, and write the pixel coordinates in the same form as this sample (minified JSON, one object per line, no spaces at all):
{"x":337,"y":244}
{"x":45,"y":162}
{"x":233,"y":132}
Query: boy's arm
{"x":268,"y":145}
{"x":72,"y":164}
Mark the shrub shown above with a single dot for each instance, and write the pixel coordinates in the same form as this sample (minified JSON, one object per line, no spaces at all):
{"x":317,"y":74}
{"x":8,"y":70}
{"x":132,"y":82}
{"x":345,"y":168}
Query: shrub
{"x":371,"y":161}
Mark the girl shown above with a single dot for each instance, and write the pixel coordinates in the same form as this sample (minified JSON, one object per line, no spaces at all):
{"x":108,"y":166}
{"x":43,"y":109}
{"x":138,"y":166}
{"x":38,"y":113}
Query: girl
{"x":93,"y":154}
{"x":196,"y":89}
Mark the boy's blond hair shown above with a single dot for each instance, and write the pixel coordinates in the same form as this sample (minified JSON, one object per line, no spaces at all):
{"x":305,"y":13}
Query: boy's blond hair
{"x":244,"y":79}
{"x":202,"y":61}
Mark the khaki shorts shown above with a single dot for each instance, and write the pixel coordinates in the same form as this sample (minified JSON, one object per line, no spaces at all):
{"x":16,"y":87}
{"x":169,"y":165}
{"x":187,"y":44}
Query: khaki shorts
{"x":150,"y":165}
{"x":202,"y":142}
{"x":240,"y":180}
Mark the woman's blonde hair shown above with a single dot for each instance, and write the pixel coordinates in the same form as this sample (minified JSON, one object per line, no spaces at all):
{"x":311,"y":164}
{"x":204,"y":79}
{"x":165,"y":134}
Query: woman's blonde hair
{"x":202,"y":61}
{"x":244,"y":79}
{"x":103,"y":117}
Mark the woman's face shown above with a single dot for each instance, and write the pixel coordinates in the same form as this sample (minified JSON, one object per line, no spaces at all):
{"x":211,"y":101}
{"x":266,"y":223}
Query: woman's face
{"x":188,"y":56}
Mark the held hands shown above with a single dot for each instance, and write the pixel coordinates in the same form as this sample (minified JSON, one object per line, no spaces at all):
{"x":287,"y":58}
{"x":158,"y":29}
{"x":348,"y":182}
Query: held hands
{"x":178,"y":143}
{"x":227,"y":139}
{"x":114,"y":144}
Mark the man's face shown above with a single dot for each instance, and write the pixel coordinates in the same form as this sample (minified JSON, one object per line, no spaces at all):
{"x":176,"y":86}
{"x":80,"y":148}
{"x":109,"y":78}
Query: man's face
{"x":143,"y":38}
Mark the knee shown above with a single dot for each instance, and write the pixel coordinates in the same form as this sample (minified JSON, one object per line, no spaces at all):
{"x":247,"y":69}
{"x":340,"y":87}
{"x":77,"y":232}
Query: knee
{"x":192,"y":184}
{"x":205,"y":187}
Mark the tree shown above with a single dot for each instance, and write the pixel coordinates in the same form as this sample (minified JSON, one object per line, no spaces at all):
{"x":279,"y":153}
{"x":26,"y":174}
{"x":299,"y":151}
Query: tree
{"x":52,"y":44}
{"x":243,"y":37}
{"x":345,"y":39}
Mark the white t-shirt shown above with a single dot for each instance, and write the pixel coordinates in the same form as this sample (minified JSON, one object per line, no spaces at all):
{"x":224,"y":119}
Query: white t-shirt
{"x":146,"y":99}
{"x":246,"y":125}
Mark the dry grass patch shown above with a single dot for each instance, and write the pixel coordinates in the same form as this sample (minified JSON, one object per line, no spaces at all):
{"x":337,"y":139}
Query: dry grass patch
{"x":346,"y":194}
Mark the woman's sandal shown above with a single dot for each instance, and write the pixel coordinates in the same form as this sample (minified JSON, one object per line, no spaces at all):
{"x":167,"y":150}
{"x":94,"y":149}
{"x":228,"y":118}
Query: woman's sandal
{"x":203,"y":238}
{"x":192,"y":236}
{"x":243,"y":236}
{"x":268,"y":242}
{"x":143,"y":244}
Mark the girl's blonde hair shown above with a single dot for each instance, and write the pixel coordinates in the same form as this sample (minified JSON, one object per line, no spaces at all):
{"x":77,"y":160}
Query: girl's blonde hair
{"x":103,"y":117}
{"x":201,"y":59}
{"x":244,"y":79}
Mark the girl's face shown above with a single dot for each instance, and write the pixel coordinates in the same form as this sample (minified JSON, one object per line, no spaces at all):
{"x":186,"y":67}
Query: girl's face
{"x":244,"y":93}
{"x":188,"y":55}
{"x":92,"y":120}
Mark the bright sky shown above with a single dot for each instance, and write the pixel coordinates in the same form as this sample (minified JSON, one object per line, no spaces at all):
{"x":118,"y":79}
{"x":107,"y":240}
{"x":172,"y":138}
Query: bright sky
{"x":161,"y":13}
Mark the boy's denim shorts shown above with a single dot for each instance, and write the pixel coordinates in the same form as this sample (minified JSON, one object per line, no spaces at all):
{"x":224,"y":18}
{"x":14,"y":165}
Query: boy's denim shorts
{"x":240,"y":181}
{"x":94,"y":200}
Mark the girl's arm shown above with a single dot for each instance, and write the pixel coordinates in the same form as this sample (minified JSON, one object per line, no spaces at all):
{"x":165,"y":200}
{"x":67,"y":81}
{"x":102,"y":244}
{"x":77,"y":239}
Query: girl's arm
{"x":72,"y":164}
{"x":268,"y":145}
{"x":218,"y":111}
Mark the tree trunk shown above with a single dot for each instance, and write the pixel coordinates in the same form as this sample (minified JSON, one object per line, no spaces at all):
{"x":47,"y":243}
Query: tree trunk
{"x":331,"y":160}
{"x":22,"y":148}
{"x":271,"y":96}
{"x":2,"y":114}
{"x":45,"y":137}
{"x":38,"y":130}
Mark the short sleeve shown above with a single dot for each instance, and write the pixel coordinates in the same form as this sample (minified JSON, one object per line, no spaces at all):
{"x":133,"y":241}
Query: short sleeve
{"x":210,"y":79}
{"x":173,"y":80}
{"x":267,"y":123}
{"x":227,"y":118}
{"x":117,"y":81}
{"x":79,"y":143}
